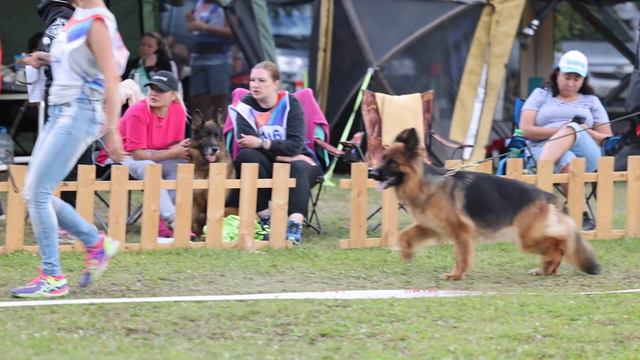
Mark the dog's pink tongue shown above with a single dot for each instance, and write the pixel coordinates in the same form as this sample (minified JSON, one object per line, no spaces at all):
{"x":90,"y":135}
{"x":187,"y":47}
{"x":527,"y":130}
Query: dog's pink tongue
{"x":211,"y":158}
{"x":381,"y":185}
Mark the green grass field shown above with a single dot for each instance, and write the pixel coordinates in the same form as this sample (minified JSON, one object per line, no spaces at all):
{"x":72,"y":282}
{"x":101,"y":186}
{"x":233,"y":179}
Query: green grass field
{"x":523,"y":317}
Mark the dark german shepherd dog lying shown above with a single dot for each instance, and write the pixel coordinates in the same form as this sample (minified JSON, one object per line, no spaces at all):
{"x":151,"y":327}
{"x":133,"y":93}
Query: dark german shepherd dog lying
{"x":465,"y":205}
{"x":207,"y":146}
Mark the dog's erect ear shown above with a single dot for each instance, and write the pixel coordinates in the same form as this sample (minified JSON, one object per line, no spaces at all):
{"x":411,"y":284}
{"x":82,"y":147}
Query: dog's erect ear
{"x":409,"y":137}
{"x":198,"y":119}
{"x":218,"y":118}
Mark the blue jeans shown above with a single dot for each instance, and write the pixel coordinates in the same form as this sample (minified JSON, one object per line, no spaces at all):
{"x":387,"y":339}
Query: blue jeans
{"x":584,"y":146}
{"x":169,"y":172}
{"x":71,"y":128}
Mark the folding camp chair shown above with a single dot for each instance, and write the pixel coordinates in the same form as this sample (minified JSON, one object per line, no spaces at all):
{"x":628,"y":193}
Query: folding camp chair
{"x":317,"y":139}
{"x":384,"y":116}
{"x":401,"y":111}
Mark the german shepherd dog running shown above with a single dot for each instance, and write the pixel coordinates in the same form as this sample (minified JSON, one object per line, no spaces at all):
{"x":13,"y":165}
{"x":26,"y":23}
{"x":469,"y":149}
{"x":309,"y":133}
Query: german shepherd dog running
{"x":465,"y":205}
{"x":206,"y":147}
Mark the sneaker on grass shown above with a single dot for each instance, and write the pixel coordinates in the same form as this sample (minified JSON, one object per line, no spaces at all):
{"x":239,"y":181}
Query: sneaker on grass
{"x":97,"y":259}
{"x":294,"y":232}
{"x":43,"y":286}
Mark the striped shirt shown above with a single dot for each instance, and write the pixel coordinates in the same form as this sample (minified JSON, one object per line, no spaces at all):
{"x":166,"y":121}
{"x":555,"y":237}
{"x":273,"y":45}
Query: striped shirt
{"x":554,"y":113}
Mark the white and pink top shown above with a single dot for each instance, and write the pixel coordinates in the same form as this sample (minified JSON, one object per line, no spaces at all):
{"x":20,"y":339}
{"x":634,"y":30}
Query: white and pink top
{"x":73,"y":65}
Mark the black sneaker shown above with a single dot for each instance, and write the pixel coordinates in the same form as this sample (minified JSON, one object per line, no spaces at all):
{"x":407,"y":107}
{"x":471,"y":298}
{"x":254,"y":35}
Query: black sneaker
{"x":294,"y":232}
{"x":587,"y":222}
{"x":265,"y":225}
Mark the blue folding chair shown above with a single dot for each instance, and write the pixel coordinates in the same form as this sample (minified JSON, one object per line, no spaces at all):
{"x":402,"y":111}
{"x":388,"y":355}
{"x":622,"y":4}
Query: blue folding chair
{"x":517,"y":147}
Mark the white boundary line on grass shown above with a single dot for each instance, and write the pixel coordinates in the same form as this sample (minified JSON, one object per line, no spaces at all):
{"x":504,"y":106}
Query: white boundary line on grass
{"x":319,"y":295}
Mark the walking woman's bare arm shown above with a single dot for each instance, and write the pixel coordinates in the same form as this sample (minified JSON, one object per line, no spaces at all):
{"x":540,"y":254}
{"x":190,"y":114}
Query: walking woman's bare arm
{"x":100,"y":44}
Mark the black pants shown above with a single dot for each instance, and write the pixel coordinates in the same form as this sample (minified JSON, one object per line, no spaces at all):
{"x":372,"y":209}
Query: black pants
{"x":621,"y":157}
{"x":306,"y":176}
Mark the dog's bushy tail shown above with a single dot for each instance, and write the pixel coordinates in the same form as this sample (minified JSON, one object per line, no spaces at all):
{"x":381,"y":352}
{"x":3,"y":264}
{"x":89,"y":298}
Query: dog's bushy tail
{"x":581,"y":255}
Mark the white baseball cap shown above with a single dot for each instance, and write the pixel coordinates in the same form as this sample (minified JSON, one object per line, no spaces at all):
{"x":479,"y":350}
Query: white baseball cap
{"x":573,"y":62}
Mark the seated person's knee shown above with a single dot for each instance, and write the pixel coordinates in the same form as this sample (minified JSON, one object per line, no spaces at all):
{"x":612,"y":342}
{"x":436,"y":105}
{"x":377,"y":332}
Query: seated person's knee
{"x":247,"y":156}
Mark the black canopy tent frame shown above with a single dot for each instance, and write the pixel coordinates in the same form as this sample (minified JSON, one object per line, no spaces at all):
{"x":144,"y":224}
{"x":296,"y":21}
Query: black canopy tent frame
{"x":579,"y":6}
{"x":375,"y":63}
{"x":608,"y":35}
{"x":356,"y":47}
{"x":249,"y":23}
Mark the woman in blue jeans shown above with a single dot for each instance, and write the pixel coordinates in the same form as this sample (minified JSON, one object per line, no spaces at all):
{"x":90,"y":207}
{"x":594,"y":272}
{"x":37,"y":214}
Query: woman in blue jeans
{"x":564,"y":119}
{"x":86,"y":60}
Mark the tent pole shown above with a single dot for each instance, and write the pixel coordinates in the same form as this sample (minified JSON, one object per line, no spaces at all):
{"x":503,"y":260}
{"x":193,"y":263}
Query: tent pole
{"x":365,"y":84}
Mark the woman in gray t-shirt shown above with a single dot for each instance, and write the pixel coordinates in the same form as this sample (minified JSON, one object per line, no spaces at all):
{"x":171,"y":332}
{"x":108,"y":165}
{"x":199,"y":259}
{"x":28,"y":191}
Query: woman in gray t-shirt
{"x":553,"y":117}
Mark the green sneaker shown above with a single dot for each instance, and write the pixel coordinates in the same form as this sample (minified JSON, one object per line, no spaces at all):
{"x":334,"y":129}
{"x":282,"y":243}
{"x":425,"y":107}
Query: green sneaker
{"x":97,"y":259}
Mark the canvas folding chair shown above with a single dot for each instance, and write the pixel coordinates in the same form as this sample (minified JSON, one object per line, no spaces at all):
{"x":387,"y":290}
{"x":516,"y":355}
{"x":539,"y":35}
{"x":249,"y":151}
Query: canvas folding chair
{"x":385,"y":116}
{"x":316,"y":138}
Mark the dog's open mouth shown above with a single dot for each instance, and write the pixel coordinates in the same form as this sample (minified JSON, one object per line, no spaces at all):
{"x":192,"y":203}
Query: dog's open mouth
{"x":211,"y":153}
{"x":381,"y":185}
{"x":211,"y":158}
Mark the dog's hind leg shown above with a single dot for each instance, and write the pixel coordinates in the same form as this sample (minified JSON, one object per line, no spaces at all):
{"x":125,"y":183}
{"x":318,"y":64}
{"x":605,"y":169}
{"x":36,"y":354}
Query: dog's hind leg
{"x":543,"y":231}
{"x":551,"y":259}
{"x":412,"y":236}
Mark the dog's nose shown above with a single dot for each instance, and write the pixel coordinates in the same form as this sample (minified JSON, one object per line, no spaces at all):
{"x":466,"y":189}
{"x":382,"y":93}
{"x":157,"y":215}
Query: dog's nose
{"x":214,"y":150}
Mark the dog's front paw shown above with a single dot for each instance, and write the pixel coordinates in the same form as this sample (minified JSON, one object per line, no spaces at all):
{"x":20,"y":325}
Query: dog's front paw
{"x":406,"y":254}
{"x":451,"y":276}
{"x":536,"y":272}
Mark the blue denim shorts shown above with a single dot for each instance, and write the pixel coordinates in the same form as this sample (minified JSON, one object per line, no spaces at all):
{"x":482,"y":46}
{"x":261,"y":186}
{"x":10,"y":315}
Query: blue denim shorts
{"x":584,"y":147}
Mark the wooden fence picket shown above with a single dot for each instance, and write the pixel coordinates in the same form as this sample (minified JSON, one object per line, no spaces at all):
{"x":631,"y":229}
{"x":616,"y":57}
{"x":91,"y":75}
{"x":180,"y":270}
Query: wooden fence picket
{"x":184,"y":205}
{"x":544,"y":179}
{"x":575,"y":196}
{"x":216,"y":202}
{"x":604,"y":194}
{"x":118,"y":202}
{"x":633,"y":196}
{"x":85,"y":192}
{"x":151,"y":206}
{"x":16,"y":210}
{"x":218,"y":185}
{"x":279,"y":206}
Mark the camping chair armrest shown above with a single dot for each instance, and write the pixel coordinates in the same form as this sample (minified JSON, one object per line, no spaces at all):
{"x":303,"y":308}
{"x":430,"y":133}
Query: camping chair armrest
{"x":448,"y":143}
{"x":329,"y":148}
{"x":355,"y":141}
{"x":353,"y":151}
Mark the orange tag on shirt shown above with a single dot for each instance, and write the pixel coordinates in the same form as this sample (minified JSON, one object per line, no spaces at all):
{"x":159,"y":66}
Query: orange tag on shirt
{"x":262,"y":118}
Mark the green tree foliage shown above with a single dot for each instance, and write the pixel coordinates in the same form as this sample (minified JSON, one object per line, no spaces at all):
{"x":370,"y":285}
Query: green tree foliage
{"x":569,"y":25}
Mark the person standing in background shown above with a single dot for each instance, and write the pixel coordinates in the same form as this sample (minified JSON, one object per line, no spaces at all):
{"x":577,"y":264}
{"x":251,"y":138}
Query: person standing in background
{"x":153,"y":56}
{"x":210,"y":58}
{"x":86,"y":58}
